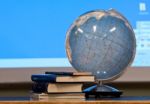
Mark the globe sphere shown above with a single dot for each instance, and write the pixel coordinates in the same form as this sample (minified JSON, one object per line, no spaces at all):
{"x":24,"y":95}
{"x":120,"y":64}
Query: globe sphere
{"x":101,"y":42}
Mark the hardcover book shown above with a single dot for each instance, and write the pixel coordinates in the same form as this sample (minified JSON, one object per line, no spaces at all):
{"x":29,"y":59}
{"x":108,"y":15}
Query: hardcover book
{"x":51,"y":78}
{"x":64,"y":87}
{"x":58,"y":96}
{"x":70,"y":73}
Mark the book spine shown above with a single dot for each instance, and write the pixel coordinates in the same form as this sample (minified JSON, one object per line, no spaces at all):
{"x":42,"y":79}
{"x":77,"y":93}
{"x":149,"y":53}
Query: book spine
{"x":39,"y":87}
{"x":61,"y":73}
{"x":43,"y":78}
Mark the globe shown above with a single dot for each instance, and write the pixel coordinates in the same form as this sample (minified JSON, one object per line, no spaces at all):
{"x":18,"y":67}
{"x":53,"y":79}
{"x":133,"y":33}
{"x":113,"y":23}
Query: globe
{"x":101,"y":42}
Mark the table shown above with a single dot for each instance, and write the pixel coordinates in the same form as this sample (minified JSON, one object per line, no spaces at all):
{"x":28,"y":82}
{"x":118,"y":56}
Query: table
{"x":121,"y":100}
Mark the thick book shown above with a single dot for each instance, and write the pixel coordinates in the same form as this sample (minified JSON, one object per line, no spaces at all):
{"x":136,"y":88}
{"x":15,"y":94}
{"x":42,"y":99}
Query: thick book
{"x":64,"y":87}
{"x":70,"y":73}
{"x":51,"y":78}
{"x":57,"y":87}
{"x":39,"y":87}
{"x":58,"y":96}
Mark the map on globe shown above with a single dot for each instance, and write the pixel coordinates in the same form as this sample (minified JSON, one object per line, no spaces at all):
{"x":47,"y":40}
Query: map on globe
{"x":101,"y":42}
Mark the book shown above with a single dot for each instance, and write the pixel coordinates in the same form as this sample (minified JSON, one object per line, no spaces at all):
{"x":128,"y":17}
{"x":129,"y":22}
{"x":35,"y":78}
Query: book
{"x":75,"y":79}
{"x":58,"y":96}
{"x":52,"y":78}
{"x":56,"y":87}
{"x":54,"y":100}
{"x":43,"y":78}
{"x":39,"y":87}
{"x":64,"y":87}
{"x":70,"y":73}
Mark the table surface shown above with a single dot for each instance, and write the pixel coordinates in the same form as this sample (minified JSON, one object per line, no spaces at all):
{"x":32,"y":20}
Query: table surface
{"x":121,"y":100}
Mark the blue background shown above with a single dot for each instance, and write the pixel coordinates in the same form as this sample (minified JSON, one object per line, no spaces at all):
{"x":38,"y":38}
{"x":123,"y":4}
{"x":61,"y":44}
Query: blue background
{"x":37,"y":28}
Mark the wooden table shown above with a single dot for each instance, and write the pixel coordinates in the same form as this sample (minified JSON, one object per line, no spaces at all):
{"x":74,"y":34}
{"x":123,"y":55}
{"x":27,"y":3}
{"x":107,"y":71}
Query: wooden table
{"x":121,"y":100}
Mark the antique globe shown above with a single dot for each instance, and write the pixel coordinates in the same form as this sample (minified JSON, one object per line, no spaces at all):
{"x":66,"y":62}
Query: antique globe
{"x":101,"y":42}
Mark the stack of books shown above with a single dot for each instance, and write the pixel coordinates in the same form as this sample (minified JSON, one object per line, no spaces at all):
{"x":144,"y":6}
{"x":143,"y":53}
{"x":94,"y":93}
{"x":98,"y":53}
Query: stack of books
{"x":58,"y":85}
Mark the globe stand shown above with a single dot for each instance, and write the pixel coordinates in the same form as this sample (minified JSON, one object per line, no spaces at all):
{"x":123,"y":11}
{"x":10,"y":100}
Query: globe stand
{"x":100,"y":37}
{"x":101,"y":91}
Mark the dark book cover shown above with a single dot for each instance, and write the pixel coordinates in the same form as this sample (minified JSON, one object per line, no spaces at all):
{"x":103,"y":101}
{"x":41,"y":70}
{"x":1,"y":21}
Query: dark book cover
{"x":61,"y":73}
{"x":39,"y":87}
{"x":41,"y":78}
{"x":70,"y":73}
{"x":43,"y":88}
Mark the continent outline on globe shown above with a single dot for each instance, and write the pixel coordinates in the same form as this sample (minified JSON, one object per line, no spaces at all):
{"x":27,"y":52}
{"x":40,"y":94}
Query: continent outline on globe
{"x":75,"y":37}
